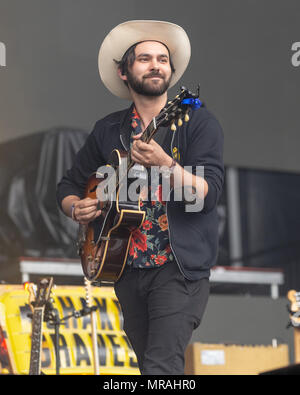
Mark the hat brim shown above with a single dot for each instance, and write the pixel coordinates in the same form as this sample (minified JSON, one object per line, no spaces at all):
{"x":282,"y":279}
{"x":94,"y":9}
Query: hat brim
{"x":129,"y":33}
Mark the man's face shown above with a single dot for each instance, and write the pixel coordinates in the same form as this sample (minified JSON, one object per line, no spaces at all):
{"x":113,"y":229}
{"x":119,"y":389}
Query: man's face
{"x":150,"y":73}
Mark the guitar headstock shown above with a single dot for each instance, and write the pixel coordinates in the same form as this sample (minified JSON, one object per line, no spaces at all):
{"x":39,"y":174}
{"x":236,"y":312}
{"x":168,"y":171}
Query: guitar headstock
{"x":40,"y":295}
{"x":31,"y":289}
{"x":178,"y":109}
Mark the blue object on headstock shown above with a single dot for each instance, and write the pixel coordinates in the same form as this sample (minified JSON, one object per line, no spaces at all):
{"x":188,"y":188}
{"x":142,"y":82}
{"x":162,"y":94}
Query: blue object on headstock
{"x":193,"y":103}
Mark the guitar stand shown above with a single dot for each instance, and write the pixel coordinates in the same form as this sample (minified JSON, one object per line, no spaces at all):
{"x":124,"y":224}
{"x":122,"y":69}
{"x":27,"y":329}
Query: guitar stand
{"x":52,"y":317}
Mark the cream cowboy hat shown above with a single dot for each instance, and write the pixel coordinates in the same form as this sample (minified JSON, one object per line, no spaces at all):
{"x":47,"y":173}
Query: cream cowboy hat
{"x":129,"y":33}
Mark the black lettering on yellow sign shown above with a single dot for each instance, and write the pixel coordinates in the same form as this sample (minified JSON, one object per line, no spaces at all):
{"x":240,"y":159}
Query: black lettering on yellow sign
{"x":81,"y":351}
{"x":101,"y":350}
{"x":86,"y":320}
{"x":45,"y":356}
{"x":63,"y":350}
{"x":115,"y":348}
{"x":132,"y":360}
{"x":104,"y":316}
{"x":121,"y":319}
{"x":64,"y":306}
{"x":67,"y":308}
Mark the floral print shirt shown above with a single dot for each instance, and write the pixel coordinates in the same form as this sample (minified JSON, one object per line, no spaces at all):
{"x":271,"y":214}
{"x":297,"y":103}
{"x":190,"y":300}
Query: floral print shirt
{"x":150,"y":246}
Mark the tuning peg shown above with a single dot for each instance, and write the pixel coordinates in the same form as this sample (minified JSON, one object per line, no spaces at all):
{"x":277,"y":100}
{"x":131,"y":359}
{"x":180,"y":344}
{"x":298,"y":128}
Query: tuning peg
{"x":179,"y":122}
{"x":173,"y":126}
{"x":186,"y":117}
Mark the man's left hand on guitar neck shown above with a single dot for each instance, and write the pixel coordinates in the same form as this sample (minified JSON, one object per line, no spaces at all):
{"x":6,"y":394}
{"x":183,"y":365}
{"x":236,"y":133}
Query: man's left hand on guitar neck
{"x":152,"y":154}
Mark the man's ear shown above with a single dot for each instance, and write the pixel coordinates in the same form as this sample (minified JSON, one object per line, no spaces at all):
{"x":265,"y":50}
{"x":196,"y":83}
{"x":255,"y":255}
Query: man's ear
{"x":122,"y":76}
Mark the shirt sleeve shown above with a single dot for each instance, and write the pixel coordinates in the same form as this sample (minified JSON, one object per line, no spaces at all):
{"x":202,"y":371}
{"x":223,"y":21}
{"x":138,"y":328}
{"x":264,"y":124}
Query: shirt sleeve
{"x":205,"y":148}
{"x":86,"y":162}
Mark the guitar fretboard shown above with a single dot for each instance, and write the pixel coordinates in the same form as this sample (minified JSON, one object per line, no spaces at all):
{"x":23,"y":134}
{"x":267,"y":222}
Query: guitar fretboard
{"x":146,"y":137}
{"x":36,"y":341}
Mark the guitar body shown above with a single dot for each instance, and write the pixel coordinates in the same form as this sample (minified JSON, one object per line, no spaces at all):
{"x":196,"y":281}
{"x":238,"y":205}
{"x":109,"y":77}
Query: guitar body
{"x":104,"y":243}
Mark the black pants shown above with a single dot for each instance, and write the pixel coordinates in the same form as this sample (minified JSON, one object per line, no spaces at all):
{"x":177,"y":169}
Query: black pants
{"x":161,"y":309}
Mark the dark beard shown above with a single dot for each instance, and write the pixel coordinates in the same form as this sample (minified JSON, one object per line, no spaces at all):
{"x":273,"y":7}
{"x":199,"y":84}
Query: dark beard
{"x":142,"y":88}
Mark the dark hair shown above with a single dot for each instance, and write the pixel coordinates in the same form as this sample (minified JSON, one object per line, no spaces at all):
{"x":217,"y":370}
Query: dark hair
{"x":127,"y":60}
{"x":129,"y":57}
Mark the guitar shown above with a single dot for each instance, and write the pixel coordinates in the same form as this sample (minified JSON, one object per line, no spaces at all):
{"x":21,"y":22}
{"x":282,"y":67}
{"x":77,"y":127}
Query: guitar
{"x":37,"y":302}
{"x":103,"y":244}
{"x":294,"y":298}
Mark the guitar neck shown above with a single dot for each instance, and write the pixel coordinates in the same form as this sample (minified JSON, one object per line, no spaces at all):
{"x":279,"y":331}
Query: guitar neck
{"x":150,"y":131}
{"x":36,"y":341}
{"x":147,"y":135}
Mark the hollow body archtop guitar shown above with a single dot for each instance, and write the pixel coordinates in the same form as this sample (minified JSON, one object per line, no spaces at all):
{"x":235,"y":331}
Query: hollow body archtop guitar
{"x":103,"y":244}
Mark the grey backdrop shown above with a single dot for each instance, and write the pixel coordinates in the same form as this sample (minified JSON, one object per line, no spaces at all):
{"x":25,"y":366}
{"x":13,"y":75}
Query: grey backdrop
{"x":241,"y":55}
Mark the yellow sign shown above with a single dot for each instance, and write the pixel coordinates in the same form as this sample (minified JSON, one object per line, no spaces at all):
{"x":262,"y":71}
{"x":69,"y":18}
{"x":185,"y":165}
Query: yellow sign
{"x":115,"y":353}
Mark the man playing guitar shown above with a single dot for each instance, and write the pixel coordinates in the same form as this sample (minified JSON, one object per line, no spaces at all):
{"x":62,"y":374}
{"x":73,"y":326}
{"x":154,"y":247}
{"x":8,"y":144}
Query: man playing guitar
{"x":164,"y":287}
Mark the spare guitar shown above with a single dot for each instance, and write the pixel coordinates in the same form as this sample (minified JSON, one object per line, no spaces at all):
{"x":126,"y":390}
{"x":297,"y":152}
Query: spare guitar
{"x":103,"y":244}
{"x":294,"y":309}
{"x":37,"y":302}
